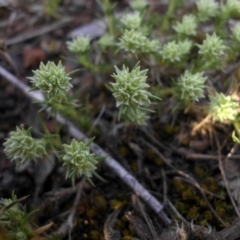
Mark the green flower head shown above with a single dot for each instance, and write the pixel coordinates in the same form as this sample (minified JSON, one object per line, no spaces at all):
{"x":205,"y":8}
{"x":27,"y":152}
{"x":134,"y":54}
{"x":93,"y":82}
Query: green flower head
{"x":130,"y":93}
{"x":206,"y":9}
{"x":187,"y":26}
{"x":223,"y":107}
{"x":211,"y":51}
{"x":132,"y":20}
{"x":175,"y":52}
{"x":79,"y":160}
{"x":138,"y":5}
{"x":51,"y":80}
{"x":129,"y":89}
{"x":79,"y":45}
{"x":135,"y":42}
{"x":22,"y":147}
{"x":191,"y":86}
{"x":231,"y":9}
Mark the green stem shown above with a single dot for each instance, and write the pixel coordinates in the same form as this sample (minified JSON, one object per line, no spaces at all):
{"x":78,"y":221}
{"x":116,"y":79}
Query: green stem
{"x":83,"y":59}
{"x":108,"y":12}
{"x":169,"y":14}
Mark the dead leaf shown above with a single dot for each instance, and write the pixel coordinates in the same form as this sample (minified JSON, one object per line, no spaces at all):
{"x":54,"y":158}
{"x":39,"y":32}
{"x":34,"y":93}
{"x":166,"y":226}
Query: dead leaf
{"x":32,"y":57}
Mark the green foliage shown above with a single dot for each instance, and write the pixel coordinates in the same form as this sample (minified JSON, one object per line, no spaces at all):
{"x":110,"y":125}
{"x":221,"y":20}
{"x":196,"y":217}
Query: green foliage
{"x":16,"y":220}
{"x":51,"y":7}
{"x":105,"y":42}
{"x":236,"y":35}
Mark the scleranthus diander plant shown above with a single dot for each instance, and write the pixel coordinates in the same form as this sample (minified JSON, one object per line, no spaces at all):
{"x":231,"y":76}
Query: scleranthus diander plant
{"x":130,"y":92}
{"x":52,"y":81}
{"x":22,"y":147}
{"x":79,"y":161}
{"x":187,"y":26}
{"x":211,"y":51}
{"x":207,"y":9}
{"x":136,"y":42}
{"x":79,"y":45}
{"x":174,"y":51}
{"x":188,"y":54}
{"x":223,"y":107}
{"x":190,"y":87}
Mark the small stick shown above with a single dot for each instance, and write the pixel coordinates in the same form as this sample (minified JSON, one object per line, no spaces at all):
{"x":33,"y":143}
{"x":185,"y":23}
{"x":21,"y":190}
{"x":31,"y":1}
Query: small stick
{"x":225,"y":179}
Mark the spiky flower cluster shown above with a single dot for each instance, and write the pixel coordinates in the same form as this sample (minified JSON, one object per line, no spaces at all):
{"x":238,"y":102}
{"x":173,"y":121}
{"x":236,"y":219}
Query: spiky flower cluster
{"x":21,"y":146}
{"x":132,"y":20}
{"x":135,"y":42}
{"x":138,"y":5}
{"x":175,"y":52}
{"x":231,"y":8}
{"x":79,"y":45}
{"x":191,"y":86}
{"x":130,"y":92}
{"x":211,"y":49}
{"x":223,"y":107}
{"x":206,"y":9}
{"x":52,"y":80}
{"x":79,"y":160}
{"x":188,"y":25}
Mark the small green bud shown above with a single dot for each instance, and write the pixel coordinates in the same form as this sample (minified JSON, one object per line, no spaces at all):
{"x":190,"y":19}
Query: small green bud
{"x":138,"y":5}
{"x":174,"y":52}
{"x":132,"y":20}
{"x":135,"y":42}
{"x":206,"y":9}
{"x":223,"y":107}
{"x":79,"y":160}
{"x":52,"y":80}
{"x":105,"y":42}
{"x":21,"y":146}
{"x":79,"y":45}
{"x":191,"y":86}
{"x":211,"y":49}
{"x":187,"y":27}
